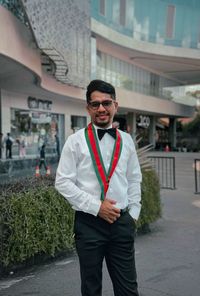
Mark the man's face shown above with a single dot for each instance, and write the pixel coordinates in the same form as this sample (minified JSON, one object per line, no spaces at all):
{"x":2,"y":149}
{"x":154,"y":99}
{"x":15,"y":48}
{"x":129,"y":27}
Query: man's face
{"x":102,"y":115}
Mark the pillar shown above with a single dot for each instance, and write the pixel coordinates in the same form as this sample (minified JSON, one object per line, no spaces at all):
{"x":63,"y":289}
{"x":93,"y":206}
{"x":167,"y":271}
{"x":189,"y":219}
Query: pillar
{"x":172,"y":132}
{"x":152,"y":131}
{"x":131,"y":123}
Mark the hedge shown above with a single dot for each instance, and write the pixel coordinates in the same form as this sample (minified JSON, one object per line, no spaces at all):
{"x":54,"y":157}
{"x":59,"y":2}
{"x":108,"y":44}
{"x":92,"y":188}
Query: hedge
{"x":36,"y":220}
{"x":151,"y":203}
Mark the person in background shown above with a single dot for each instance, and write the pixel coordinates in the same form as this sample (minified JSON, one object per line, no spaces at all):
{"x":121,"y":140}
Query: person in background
{"x":42,"y":158}
{"x":115,"y":124}
{"x":9,"y":142}
{"x":18,"y":143}
{"x":128,"y":129}
{"x":1,"y":145}
{"x":57,"y":146}
{"x":22,"y":147}
{"x":99,"y":174}
{"x":21,"y":141}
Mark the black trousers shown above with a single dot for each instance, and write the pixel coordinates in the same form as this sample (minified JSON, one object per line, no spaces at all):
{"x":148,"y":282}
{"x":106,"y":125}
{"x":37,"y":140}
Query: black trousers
{"x":9,"y":152}
{"x":43,"y":163}
{"x":97,"y":240}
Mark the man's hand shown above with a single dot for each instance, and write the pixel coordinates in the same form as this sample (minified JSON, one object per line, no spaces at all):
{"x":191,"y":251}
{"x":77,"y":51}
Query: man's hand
{"x":108,"y":212}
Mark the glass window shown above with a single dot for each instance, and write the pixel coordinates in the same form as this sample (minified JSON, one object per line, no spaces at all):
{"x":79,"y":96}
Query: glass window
{"x":129,"y":14}
{"x":129,"y":76}
{"x":102,"y":8}
{"x":198,"y":36}
{"x":123,"y":12}
{"x":36,"y":128}
{"x":116,"y":11}
{"x":170,"y":21}
{"x":94,"y":57}
{"x":108,"y":68}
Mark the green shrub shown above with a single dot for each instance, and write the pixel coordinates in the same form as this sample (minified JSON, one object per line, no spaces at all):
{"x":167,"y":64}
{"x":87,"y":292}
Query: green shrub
{"x":151,"y":204}
{"x":36,"y":220}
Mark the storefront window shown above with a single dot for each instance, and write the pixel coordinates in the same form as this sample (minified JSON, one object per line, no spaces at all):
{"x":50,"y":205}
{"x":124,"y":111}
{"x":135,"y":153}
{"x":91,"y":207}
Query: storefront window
{"x":36,"y":128}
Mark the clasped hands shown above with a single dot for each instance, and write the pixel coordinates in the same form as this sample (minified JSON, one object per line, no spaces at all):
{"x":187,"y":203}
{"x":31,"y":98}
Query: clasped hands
{"x":108,"y":211}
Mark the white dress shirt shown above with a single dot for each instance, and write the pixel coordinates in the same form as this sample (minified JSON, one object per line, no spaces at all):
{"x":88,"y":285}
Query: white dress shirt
{"x":77,"y":182}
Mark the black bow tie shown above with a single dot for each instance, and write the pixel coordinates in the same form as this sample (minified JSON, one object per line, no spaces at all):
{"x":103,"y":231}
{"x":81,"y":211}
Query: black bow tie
{"x":110,"y":131}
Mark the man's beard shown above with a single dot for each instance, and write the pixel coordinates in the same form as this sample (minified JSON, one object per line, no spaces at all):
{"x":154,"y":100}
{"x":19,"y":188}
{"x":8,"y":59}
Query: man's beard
{"x":102,"y":124}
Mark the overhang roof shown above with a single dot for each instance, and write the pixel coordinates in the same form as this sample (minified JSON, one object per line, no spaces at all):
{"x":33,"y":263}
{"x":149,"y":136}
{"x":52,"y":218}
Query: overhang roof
{"x":184,"y":70}
{"x":183,"y":67}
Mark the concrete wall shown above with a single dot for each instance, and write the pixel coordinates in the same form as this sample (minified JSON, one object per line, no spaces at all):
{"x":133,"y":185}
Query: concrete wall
{"x":152,"y":105}
{"x":17,"y":42}
{"x":63,"y":28}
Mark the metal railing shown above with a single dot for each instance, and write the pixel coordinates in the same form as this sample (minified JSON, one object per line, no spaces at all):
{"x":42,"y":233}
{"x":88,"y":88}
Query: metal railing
{"x":165,"y":169}
{"x":197,"y":175}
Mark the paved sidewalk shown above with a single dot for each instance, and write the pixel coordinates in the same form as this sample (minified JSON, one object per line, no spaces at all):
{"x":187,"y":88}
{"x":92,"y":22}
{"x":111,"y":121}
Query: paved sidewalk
{"x":168,"y":259}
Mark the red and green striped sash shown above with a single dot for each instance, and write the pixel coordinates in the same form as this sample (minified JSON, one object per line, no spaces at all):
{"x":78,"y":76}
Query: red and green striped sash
{"x":93,"y":145}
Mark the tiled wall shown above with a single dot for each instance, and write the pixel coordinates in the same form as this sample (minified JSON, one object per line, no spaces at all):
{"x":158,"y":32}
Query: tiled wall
{"x":62,"y":30}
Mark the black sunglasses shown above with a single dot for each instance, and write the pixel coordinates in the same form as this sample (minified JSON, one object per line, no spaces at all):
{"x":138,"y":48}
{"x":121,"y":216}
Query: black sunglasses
{"x":96,"y":105}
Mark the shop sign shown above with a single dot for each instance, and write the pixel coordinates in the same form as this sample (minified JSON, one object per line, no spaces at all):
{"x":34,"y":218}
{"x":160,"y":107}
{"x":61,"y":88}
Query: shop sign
{"x":39,"y":118}
{"x":34,"y":103}
{"x":144,"y":121}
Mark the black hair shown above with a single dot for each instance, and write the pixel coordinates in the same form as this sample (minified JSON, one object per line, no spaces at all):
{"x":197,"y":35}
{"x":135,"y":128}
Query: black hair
{"x":101,"y":86}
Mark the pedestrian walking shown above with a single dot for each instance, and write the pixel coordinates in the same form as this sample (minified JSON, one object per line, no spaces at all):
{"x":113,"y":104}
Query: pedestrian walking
{"x":42,"y":158}
{"x":9,"y":142}
{"x":1,"y":145}
{"x":21,"y":147}
{"x":99,"y":174}
{"x":57,"y":141}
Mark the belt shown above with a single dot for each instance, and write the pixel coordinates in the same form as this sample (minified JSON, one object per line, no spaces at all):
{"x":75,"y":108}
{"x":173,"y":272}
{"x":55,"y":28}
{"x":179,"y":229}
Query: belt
{"x":123,"y":211}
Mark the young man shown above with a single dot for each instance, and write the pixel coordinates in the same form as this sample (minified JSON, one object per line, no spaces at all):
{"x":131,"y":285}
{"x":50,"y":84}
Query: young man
{"x":100,"y":176}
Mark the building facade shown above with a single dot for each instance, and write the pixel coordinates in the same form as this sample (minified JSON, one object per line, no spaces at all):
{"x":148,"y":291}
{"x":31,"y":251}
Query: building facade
{"x":44,"y":67}
{"x":50,"y":50}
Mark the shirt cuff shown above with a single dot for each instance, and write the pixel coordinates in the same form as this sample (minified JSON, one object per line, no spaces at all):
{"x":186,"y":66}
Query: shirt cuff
{"x":135,"y":212}
{"x":94,"y":207}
